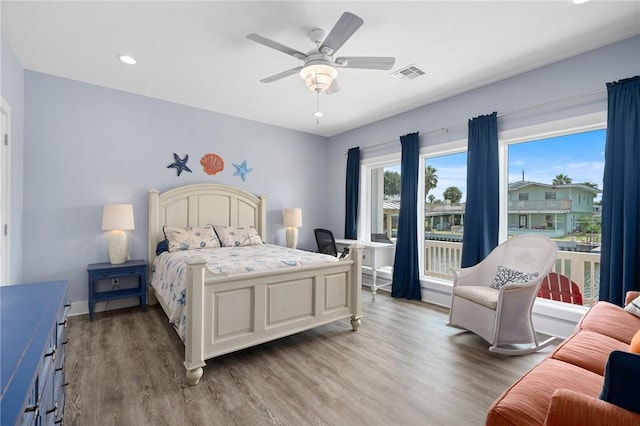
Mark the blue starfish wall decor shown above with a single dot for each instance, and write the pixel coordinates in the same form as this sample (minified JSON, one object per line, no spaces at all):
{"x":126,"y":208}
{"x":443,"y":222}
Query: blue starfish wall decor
{"x":179,"y":164}
{"x":242,"y":170}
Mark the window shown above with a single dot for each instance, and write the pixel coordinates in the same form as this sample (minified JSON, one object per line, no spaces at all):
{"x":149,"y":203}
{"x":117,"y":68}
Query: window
{"x":445,"y":187}
{"x":569,"y":214}
{"x":523,"y":196}
{"x":384,"y":200}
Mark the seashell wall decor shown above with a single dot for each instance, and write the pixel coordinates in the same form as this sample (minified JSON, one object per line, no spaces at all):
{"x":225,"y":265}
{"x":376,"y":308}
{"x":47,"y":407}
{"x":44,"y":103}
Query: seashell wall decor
{"x":212,"y":163}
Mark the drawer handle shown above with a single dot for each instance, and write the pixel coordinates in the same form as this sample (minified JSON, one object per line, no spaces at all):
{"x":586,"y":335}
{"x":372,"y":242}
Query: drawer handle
{"x":63,"y":323}
{"x":35,"y":409}
{"x":65,"y":385}
{"x":53,"y":410}
{"x":60,"y":368}
{"x":59,"y":421}
{"x":65,"y":342}
{"x":52,"y":354}
{"x":67,"y":305}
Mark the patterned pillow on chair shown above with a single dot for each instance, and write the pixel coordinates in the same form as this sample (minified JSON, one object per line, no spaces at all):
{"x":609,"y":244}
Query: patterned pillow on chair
{"x":506,"y":276}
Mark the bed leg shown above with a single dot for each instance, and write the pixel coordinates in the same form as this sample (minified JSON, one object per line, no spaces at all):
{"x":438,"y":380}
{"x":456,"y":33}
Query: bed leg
{"x":193,"y":376}
{"x":355,"y":323}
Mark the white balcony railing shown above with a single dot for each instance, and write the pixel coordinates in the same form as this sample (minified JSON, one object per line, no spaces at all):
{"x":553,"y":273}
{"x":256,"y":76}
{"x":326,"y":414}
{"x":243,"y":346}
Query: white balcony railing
{"x":582,"y":268}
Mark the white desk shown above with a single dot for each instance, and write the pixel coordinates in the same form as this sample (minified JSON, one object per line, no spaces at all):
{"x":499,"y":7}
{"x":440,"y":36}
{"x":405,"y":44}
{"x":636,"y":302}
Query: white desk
{"x":374,"y":256}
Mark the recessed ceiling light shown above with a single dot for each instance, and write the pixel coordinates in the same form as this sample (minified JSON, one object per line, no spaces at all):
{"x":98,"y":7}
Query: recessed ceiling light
{"x":579,"y":1}
{"x":129,"y":60}
{"x":318,"y":114}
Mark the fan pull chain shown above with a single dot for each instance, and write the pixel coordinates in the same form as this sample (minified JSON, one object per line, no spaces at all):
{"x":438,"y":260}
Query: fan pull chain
{"x":318,"y":113}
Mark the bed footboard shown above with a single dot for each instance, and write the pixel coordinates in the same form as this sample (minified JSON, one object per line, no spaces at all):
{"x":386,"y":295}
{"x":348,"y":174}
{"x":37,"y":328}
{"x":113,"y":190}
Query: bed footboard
{"x":228,"y":313}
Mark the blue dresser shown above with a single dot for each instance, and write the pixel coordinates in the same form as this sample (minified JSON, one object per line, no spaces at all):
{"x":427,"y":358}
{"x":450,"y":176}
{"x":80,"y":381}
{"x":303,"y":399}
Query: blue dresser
{"x":33,"y":322}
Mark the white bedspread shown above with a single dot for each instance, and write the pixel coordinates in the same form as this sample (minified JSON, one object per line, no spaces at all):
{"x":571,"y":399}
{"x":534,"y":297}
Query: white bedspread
{"x":169,"y":270}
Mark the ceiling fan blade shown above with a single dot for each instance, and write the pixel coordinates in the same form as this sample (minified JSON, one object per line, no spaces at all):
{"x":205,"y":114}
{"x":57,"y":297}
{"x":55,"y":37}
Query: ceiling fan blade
{"x":340,"y":33}
{"x":275,"y":45}
{"x":280,"y":75}
{"x":366,"y":62}
{"x":333,"y":88}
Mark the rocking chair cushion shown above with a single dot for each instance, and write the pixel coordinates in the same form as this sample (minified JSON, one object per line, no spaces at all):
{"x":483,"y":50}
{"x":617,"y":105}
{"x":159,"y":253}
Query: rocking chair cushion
{"x":506,"y":276}
{"x":484,"y":296}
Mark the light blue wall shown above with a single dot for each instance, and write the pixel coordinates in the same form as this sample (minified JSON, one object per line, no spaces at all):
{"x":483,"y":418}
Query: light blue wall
{"x":570,"y":78}
{"x":86,"y":145}
{"x":12,"y":90}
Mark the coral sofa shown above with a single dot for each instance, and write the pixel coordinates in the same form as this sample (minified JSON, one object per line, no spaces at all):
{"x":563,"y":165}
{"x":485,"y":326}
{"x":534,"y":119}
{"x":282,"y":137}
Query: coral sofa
{"x":564,"y":388}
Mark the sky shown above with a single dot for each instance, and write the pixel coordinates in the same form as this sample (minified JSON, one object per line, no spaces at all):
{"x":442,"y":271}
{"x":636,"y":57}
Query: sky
{"x":579,"y":156}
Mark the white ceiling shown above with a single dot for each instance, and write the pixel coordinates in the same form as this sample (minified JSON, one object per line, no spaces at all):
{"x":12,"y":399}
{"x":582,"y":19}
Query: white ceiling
{"x":196,"y":53}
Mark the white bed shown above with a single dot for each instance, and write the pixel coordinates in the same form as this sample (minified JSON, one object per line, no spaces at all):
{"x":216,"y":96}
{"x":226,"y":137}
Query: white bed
{"x":225,"y":313}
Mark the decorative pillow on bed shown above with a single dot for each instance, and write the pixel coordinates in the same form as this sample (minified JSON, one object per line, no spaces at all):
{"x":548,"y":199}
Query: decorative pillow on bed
{"x":237,"y":237}
{"x":506,"y":276}
{"x":162,"y":247}
{"x":191,"y":238}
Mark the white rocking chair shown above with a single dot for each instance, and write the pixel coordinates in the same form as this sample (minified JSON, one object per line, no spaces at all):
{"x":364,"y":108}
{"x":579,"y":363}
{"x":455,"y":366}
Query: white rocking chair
{"x":503,"y":316}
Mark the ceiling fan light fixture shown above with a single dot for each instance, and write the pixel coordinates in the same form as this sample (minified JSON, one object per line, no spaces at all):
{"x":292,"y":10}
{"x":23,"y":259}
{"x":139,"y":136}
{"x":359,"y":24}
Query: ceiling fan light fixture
{"x":318,"y":77}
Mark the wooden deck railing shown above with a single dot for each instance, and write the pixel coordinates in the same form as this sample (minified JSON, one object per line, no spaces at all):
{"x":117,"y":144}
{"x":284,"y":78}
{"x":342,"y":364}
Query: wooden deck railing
{"x":582,"y":268}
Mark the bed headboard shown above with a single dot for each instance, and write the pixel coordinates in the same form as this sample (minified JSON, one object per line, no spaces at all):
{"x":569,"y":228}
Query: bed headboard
{"x":201,"y":204}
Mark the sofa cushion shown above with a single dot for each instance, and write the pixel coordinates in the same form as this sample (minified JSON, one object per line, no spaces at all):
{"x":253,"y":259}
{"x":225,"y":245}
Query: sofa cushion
{"x":588,"y":350}
{"x":526,"y":402}
{"x":634,"y":346}
{"x":610,"y":320}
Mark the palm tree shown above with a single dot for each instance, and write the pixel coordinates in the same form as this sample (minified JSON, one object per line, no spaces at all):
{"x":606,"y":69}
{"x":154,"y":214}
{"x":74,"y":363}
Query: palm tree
{"x":562,"y":180}
{"x":590,"y":185}
{"x":431,"y":198}
{"x":430,"y":179}
{"x":452,"y":193}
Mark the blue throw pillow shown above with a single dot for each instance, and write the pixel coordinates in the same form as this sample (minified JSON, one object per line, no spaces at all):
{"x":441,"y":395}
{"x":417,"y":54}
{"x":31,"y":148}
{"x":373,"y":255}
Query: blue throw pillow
{"x":162,"y":247}
{"x":621,"y":378}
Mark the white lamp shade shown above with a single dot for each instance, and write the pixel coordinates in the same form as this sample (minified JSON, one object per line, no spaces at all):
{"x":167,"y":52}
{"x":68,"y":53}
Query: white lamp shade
{"x":293,"y":217}
{"x":117,"y":217}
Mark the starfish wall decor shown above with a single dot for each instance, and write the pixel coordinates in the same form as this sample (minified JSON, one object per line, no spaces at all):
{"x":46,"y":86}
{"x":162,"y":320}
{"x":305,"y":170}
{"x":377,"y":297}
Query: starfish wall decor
{"x":179,"y":164}
{"x":242,"y":170}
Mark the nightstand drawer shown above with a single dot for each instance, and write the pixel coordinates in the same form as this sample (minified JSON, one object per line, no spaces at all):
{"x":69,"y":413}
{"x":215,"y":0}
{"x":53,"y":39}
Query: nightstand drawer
{"x":122,"y":272}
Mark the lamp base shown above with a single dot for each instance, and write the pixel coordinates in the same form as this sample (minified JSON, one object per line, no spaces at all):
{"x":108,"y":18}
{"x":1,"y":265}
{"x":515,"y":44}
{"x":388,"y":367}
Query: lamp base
{"x":118,"y":249}
{"x":292,"y":237}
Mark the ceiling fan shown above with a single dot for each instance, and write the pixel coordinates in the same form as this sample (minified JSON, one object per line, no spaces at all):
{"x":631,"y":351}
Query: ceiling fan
{"x":320,"y":66}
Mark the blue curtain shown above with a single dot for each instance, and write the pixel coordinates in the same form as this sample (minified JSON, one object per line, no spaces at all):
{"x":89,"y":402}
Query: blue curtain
{"x":481,"y":219}
{"x":352,"y":192}
{"x":620,"y":249}
{"x":406,"y":278}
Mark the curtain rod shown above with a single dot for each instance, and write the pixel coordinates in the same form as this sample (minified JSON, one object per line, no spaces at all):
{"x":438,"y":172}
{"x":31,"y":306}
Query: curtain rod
{"x":505,"y":114}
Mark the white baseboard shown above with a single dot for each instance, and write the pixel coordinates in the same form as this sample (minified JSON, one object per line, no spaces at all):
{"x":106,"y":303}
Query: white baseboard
{"x":82,"y":307}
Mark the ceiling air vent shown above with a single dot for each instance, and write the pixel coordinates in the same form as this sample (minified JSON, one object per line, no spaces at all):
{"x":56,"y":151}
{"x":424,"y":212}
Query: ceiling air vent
{"x":410,"y":71}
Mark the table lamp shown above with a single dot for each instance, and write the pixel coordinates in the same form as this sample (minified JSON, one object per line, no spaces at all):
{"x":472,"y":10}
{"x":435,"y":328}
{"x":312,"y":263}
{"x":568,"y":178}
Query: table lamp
{"x":118,"y":218}
{"x":292,"y":220}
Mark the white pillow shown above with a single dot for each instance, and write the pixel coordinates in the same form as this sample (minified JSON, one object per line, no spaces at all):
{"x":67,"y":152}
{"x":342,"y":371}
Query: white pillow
{"x":634,"y":307}
{"x":237,"y":237}
{"x":506,"y":276}
{"x":200,"y":237}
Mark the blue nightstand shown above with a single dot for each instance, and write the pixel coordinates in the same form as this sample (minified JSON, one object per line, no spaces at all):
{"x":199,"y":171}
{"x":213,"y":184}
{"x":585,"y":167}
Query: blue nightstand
{"x":107,"y":271}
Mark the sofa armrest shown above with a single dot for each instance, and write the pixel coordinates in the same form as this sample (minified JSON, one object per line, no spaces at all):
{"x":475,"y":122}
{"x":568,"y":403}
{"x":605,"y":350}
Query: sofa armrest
{"x":631,"y":296}
{"x":573,"y":408}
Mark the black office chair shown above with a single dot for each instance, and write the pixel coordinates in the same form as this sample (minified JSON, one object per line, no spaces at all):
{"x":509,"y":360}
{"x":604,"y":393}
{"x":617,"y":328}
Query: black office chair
{"x":326,"y":243}
{"x":380,"y":238}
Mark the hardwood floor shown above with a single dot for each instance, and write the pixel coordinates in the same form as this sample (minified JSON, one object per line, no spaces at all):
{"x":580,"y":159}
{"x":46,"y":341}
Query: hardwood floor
{"x":404,"y":366}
